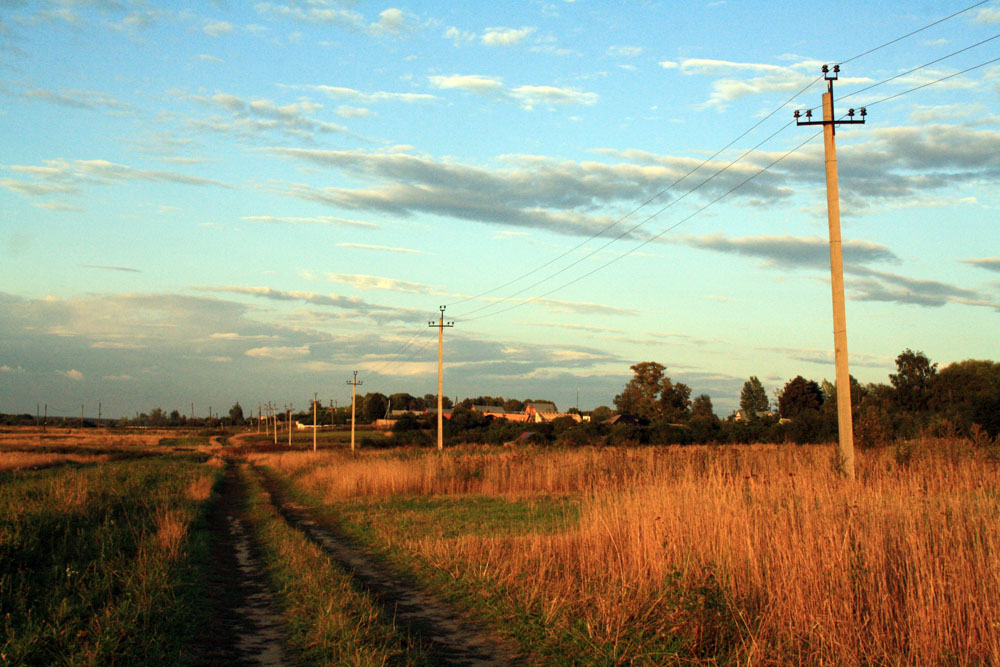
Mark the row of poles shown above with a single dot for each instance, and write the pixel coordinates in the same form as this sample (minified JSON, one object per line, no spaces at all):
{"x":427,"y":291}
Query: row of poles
{"x":269,"y":414}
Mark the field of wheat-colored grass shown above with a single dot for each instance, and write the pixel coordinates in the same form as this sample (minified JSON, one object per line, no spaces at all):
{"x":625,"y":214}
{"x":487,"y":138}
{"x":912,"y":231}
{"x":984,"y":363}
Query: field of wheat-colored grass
{"x":762,"y":555}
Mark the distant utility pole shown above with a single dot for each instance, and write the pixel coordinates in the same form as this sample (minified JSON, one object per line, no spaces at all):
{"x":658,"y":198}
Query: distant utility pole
{"x":289,"y":425}
{"x":440,"y":324}
{"x":98,"y":414}
{"x":844,"y":423}
{"x":314,"y":421}
{"x":354,"y":393}
{"x":258,"y":416}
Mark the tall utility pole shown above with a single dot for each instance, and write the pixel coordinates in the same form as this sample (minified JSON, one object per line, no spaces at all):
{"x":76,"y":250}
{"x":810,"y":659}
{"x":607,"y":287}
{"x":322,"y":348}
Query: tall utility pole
{"x":440,"y":324}
{"x":314,"y":421}
{"x":844,"y":424}
{"x":289,"y":426}
{"x":354,"y":393}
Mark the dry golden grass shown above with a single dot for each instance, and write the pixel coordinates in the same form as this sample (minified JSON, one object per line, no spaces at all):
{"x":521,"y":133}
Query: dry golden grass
{"x":25,"y":437}
{"x":762,"y":553}
{"x":16,"y":460}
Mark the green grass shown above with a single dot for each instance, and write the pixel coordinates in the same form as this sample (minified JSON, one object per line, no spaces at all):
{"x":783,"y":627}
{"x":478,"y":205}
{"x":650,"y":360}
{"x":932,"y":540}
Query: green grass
{"x":331,"y":623}
{"x":383,"y":525}
{"x":455,"y":516}
{"x":88,"y":574}
{"x":185,"y":442}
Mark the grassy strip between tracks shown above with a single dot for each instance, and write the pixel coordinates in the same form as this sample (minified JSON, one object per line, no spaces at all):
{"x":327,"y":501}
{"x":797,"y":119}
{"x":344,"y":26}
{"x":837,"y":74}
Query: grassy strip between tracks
{"x":98,"y":564}
{"x":388,"y":527}
{"x":330,"y":621}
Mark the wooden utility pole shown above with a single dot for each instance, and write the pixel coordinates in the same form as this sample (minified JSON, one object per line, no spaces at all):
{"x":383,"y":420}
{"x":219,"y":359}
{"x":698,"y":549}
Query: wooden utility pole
{"x":440,"y":324}
{"x":289,"y":426}
{"x":845,"y":425}
{"x":354,"y":393}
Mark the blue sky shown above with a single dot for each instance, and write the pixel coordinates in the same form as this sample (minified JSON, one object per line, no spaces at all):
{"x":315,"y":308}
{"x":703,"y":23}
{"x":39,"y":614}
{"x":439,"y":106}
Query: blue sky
{"x":217,"y":202}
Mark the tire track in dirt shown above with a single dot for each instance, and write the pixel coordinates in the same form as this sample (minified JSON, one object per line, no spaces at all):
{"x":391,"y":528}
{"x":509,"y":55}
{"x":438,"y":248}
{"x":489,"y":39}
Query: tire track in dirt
{"x":452,"y":639}
{"x":246,"y":627}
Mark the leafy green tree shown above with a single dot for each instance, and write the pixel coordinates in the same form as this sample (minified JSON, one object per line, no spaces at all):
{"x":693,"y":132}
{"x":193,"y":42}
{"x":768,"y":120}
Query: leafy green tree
{"x":600,"y":413}
{"x":753,"y":398}
{"x":640,"y":396}
{"x":513,"y":405}
{"x":912,"y":379}
{"x":968,"y":392}
{"x":675,"y":401}
{"x":374,"y":406}
{"x":799,"y":396}
{"x":701,"y":406}
{"x":236,"y":414}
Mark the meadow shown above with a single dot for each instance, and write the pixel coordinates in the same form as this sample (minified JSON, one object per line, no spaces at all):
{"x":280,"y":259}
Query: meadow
{"x":750,"y":555}
{"x":756,"y":555}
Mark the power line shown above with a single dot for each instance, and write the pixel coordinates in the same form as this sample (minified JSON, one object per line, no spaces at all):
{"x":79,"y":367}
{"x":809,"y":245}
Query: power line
{"x":931,"y":83}
{"x":652,"y":238}
{"x":636,"y":226}
{"x":911,"y":71}
{"x":911,"y":34}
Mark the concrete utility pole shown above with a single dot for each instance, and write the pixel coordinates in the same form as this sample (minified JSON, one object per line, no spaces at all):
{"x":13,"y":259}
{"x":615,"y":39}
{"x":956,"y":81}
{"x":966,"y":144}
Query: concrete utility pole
{"x":441,"y":324}
{"x":314,"y":421}
{"x":354,"y":392}
{"x":844,"y":424}
{"x":289,"y":426}
{"x":258,"y":417}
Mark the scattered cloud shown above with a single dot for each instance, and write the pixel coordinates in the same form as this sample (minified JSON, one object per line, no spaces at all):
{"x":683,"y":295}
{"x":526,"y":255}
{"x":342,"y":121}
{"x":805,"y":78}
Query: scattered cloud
{"x":988,"y":263}
{"x":342,"y":93}
{"x":217,"y":28}
{"x":206,"y":58}
{"x":528,"y":97}
{"x":988,"y":16}
{"x":380,"y":248}
{"x":111,"y":268}
{"x":10,"y":369}
{"x":624,"y":51}
{"x":366,"y":282}
{"x":71,"y":374}
{"x":791,"y":251}
{"x":459,"y":37}
{"x":346,"y":111}
{"x":278,"y":353}
{"x":323,"y":220}
{"x":283,"y":295}
{"x":254,"y":116}
{"x":78,"y":99}
{"x":506,"y":36}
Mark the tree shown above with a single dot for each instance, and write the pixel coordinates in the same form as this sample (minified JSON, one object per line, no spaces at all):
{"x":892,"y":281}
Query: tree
{"x":912,"y":379}
{"x":639,"y":397}
{"x":675,"y":401}
{"x":798,"y":396}
{"x":236,"y":414}
{"x":600,"y":413}
{"x":968,"y":392}
{"x":374,"y":406}
{"x":753,"y":398}
{"x":513,"y":405}
{"x":702,"y":406}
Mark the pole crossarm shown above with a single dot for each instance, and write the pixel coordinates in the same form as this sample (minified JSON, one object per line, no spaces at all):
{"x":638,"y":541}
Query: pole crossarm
{"x":830,"y":76}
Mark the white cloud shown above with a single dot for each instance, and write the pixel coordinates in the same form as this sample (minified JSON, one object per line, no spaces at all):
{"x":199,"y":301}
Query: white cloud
{"x":340,"y":92}
{"x":217,"y":28}
{"x":988,"y":15}
{"x":324,"y":220}
{"x":71,"y":374}
{"x":9,"y":369}
{"x":506,"y":36}
{"x":624,"y":51}
{"x":668,"y":64}
{"x":366,"y":282}
{"x":278,"y":353}
{"x":459,"y":37}
{"x":475,"y":83}
{"x":531,"y":96}
{"x":381,"y":248}
{"x":345,"y":111}
{"x":390,"y":21}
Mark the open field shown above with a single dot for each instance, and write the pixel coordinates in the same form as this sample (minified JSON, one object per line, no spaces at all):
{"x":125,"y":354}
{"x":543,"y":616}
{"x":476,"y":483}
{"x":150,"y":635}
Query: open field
{"x":133,"y":544}
{"x":760,"y":555}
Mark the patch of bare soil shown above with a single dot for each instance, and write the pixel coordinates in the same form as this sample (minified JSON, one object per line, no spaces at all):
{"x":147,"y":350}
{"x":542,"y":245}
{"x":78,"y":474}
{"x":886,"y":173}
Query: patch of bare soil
{"x":246,"y":626}
{"x":449,"y":637}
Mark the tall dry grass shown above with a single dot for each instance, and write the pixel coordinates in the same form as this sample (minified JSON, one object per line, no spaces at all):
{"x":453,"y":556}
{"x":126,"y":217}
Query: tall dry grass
{"x":762,"y":554}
